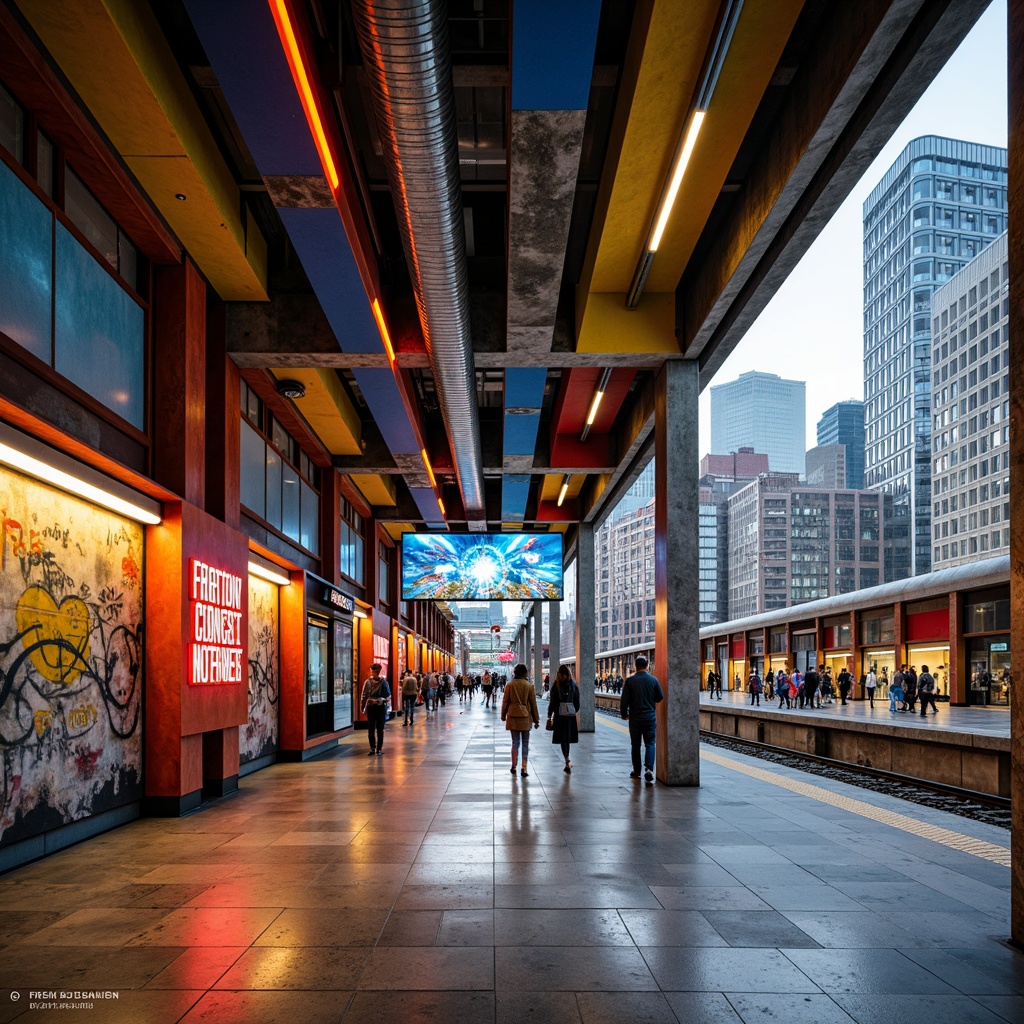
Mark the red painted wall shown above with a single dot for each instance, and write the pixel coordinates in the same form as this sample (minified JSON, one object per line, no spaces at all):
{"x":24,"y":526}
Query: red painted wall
{"x":177,"y":714}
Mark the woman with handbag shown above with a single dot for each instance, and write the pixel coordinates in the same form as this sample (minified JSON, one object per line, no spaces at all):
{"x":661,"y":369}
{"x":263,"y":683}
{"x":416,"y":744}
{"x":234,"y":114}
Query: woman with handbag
{"x":519,"y":713}
{"x":563,"y":713}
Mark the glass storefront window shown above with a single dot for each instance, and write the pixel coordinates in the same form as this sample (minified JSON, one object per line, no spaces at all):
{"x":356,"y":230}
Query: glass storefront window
{"x":342,"y":675}
{"x":884,"y":665}
{"x":936,"y":657}
{"x":990,"y":675}
{"x":316,"y":664}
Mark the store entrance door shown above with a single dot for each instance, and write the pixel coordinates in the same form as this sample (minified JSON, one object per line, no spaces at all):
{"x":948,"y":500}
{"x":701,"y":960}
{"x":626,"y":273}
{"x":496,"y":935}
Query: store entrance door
{"x":318,"y":711}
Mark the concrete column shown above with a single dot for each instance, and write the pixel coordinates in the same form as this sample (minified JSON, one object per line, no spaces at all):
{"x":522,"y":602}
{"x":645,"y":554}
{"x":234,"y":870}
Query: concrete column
{"x":538,"y":645}
{"x":586,"y":587}
{"x":527,"y":640}
{"x":1015,"y":50}
{"x":554,"y":636}
{"x":676,"y":568}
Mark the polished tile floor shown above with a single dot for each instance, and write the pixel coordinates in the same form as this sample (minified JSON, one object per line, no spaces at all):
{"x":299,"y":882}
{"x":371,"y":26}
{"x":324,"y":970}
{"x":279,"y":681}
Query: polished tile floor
{"x":431,"y":885}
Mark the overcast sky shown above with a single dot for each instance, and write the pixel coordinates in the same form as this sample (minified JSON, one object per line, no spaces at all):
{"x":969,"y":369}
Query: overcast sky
{"x":811,"y":330}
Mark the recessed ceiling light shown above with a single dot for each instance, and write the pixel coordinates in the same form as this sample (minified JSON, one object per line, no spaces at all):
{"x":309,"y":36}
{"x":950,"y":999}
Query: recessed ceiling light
{"x":180,"y":196}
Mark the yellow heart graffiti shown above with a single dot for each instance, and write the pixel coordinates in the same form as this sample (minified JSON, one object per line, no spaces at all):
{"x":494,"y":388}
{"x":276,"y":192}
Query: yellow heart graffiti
{"x":42,"y":620}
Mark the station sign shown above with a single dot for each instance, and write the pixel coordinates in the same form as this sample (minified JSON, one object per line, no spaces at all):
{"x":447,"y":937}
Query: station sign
{"x":215,"y":653}
{"x":340,"y":600}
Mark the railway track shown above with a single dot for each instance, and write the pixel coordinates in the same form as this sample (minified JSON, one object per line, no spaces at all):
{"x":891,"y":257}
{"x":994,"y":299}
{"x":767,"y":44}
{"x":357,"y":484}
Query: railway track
{"x":993,"y":810}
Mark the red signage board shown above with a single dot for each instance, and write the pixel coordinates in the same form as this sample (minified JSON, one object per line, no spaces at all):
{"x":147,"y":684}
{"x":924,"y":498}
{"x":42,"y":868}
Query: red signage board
{"x":215,"y":626}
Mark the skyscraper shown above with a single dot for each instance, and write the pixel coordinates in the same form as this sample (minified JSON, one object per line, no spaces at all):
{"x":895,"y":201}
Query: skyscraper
{"x":844,"y":424}
{"x":764,"y":412}
{"x":971,"y":422}
{"x":940,"y":204}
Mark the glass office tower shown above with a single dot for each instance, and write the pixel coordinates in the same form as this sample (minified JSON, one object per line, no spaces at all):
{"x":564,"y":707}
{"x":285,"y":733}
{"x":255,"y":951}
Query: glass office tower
{"x":940,"y":204}
{"x":843,"y":424}
{"x":764,"y":412}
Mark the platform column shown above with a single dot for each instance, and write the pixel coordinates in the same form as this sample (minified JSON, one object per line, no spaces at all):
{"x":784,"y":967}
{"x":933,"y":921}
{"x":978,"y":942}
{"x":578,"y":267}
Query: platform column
{"x":676,"y":568}
{"x":527,"y":641}
{"x":1015,"y":198}
{"x":554,"y":637}
{"x":586,"y":584}
{"x":538,"y":646}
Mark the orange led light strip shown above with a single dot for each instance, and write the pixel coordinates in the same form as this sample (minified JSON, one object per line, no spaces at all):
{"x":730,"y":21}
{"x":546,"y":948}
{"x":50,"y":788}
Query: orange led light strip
{"x":301,"y":79}
{"x":430,"y":468}
{"x":378,"y":315}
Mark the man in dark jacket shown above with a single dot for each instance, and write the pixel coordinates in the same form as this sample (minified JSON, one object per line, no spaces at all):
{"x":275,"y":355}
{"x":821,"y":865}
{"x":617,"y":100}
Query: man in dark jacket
{"x":640,"y":693}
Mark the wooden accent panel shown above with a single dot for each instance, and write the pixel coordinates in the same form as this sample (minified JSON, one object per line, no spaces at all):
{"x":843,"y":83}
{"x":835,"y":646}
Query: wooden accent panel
{"x":179,"y":375}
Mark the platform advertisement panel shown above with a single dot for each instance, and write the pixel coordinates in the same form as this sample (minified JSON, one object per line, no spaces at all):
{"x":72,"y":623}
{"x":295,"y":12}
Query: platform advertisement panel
{"x":71,"y":632}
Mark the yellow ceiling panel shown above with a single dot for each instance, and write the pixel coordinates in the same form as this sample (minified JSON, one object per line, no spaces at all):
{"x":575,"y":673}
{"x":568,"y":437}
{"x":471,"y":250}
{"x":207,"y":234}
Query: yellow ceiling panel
{"x":326,"y":408}
{"x":142,"y":102}
{"x":551,"y":486}
{"x":376,"y":489}
{"x":660,"y":78}
{"x":395,"y":530}
{"x":606,"y":325}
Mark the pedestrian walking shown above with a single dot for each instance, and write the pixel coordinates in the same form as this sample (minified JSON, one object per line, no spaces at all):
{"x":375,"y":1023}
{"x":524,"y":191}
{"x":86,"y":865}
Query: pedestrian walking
{"x":375,"y":697}
{"x":754,"y":686}
{"x":782,"y":688}
{"x":845,"y":683}
{"x":926,"y":691}
{"x":641,"y":693}
{"x":811,"y":682}
{"x":563,"y":710}
{"x":910,"y":687}
{"x":870,"y":684}
{"x":410,"y":691}
{"x":519,"y":713}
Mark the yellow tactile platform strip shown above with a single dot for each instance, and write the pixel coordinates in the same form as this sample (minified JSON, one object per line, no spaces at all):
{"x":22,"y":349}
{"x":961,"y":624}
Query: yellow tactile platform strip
{"x":954,"y":840}
{"x":945,"y":836}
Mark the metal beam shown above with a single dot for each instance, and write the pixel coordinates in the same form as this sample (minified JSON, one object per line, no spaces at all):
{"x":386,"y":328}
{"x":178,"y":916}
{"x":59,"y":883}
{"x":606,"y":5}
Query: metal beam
{"x":870,"y":64}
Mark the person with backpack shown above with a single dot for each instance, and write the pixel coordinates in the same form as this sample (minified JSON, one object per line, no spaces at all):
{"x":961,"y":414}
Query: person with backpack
{"x":926,"y":691}
{"x":910,"y":687}
{"x":754,"y":686}
{"x":782,"y":688}
{"x":375,"y":697}
{"x":845,"y":683}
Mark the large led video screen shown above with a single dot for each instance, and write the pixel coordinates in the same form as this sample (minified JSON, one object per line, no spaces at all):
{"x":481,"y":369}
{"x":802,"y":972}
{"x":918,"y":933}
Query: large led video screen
{"x":482,"y":567}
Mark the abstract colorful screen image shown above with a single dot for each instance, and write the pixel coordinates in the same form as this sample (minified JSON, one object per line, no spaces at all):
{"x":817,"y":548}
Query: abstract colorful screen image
{"x":482,"y":567}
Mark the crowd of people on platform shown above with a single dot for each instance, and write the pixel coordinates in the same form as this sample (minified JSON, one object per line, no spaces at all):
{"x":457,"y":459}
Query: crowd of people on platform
{"x":816,"y":688}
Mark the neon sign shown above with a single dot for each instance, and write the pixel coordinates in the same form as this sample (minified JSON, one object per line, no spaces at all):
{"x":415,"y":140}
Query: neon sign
{"x":215,"y":625}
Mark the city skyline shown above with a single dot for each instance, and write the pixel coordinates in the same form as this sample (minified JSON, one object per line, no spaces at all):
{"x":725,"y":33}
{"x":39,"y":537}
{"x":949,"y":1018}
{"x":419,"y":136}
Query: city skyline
{"x":823,"y":297}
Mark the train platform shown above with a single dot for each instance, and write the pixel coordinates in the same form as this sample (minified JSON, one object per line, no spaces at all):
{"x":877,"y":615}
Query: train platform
{"x":430,"y":884}
{"x":976,"y":721}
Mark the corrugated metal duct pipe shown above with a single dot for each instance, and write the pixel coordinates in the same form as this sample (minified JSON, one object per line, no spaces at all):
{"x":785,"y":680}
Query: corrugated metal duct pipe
{"x":405,"y":51}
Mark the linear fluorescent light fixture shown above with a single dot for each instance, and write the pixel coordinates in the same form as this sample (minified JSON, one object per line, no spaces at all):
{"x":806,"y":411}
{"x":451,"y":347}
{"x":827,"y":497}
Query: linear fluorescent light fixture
{"x":713,"y":62}
{"x":32,"y":457}
{"x":595,"y":402}
{"x":290,"y":42}
{"x":360,"y":613}
{"x":564,"y":490}
{"x":255,"y":569}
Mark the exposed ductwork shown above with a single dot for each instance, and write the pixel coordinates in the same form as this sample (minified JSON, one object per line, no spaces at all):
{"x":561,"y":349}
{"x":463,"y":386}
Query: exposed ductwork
{"x":405,"y":51}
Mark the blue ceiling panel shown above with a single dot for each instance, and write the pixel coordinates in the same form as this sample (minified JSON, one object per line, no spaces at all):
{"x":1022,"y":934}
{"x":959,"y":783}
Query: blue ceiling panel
{"x":524,"y":387}
{"x":553,"y":53}
{"x":426,"y":502}
{"x":380,"y":390}
{"x":242,"y":45}
{"x":515,"y":493}
{"x":521,"y":434}
{"x":321,"y":243}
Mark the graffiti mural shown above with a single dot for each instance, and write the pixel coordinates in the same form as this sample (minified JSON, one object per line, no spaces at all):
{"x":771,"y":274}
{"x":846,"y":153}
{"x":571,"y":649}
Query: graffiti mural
{"x":70,"y":658}
{"x":259,"y":736}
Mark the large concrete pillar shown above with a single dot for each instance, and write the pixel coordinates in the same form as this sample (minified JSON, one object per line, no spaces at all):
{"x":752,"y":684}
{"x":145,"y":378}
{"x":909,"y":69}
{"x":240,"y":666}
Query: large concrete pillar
{"x":527,"y":641}
{"x":1015,"y":197}
{"x":538,"y":646}
{"x":676,"y":610}
{"x":554,"y":637}
{"x":586,"y":586}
